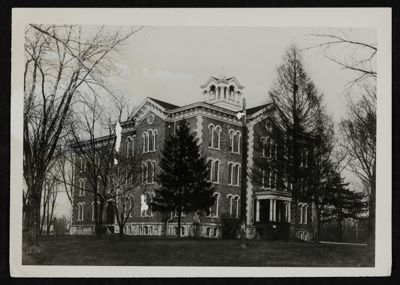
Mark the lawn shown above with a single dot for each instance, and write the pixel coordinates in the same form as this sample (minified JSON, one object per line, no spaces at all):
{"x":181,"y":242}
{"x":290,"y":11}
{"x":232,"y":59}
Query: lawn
{"x":173,"y":252}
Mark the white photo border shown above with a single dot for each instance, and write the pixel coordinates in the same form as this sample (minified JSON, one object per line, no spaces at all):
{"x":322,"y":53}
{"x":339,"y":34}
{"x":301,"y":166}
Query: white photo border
{"x":379,"y":18}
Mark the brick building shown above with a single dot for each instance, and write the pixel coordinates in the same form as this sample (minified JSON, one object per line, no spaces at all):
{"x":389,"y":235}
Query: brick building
{"x":269,"y":208}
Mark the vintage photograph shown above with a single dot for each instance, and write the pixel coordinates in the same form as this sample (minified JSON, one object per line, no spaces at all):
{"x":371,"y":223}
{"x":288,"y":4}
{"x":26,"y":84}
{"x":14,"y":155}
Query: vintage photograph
{"x":177,"y":145}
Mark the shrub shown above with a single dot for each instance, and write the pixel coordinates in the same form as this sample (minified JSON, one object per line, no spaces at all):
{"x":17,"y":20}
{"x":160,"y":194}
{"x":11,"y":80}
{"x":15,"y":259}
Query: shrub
{"x":230,"y":227}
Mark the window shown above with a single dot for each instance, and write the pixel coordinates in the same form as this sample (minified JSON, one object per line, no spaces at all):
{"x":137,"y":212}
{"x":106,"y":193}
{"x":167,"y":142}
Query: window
{"x":208,"y":231}
{"x":128,"y":147}
{"x":81,"y":211}
{"x":233,"y":205}
{"x":304,"y":158}
{"x":266,"y":179}
{"x":234,"y":137}
{"x":268,"y":126}
{"x":236,"y":203}
{"x":144,"y":173}
{"x":130,"y":208}
{"x":303,"y":207}
{"x":149,"y":141}
{"x":82,"y":163}
{"x":151,"y":146}
{"x":145,"y":210}
{"x":274,"y":150}
{"x":82,"y":187}
{"x":93,"y":210}
{"x":269,"y":179}
{"x":215,"y":232}
{"x":215,"y":139}
{"x":214,"y":208}
{"x":215,"y":177}
{"x":98,"y":182}
{"x":148,"y":172}
{"x":273,"y":176}
{"x":234,"y":173}
{"x":145,"y":142}
{"x":213,"y":168}
{"x":209,"y":168}
{"x":149,"y":175}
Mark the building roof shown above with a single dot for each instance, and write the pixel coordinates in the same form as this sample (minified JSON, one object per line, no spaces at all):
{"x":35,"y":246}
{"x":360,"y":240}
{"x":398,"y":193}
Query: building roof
{"x":251,"y":111}
{"x":166,"y":105}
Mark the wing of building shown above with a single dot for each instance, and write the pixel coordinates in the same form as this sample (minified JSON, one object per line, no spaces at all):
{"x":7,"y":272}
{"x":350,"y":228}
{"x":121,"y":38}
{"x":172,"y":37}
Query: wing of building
{"x":269,"y":207}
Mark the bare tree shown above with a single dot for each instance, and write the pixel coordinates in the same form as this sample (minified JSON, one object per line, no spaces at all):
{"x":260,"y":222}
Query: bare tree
{"x":355,"y":55}
{"x":95,"y":147}
{"x":358,"y":138}
{"x":60,"y":61}
{"x":50,"y":194}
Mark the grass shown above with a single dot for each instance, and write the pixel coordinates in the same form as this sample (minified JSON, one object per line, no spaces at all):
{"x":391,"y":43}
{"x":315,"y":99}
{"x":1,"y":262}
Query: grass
{"x":136,"y":251}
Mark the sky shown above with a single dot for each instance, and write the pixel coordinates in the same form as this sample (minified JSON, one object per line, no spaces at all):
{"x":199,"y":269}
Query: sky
{"x":171,"y":62}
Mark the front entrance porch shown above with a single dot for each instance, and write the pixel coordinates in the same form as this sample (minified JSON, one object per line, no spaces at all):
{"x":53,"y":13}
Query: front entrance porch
{"x":272,"y":217}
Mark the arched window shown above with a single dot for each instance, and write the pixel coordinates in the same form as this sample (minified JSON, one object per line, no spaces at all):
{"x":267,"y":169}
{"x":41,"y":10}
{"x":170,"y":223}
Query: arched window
{"x":236,"y":199}
{"x":82,"y":187}
{"x":153,"y":169}
{"x":268,"y":147}
{"x":231,"y":140}
{"x":128,"y":147}
{"x":149,"y":171}
{"x":268,"y":126}
{"x":144,"y":142}
{"x":93,"y":209}
{"x":215,"y":140}
{"x":217,"y":137}
{"x":230,"y":198}
{"x":234,"y":173}
{"x":230,"y":173}
{"x":214,"y":207}
{"x":267,"y":179}
{"x":234,"y":141}
{"x":273,"y":177}
{"x":263,"y":147}
{"x":212,"y":91}
{"x":231,"y":92}
{"x":81,"y":211}
{"x":140,"y":230}
{"x":237,"y":142}
{"x":82,"y":163}
{"x":144,"y":173}
{"x":209,"y":168}
{"x":151,"y":140}
{"x":215,"y":174}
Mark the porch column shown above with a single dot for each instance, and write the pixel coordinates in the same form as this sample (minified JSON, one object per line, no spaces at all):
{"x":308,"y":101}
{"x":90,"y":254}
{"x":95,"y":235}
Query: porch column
{"x":257,"y":210}
{"x":271,"y":210}
{"x":274,"y":213}
{"x":289,"y":212}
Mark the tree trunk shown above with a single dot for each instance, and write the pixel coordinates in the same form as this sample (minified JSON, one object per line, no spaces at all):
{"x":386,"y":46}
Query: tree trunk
{"x":33,"y":216}
{"x":100,"y":219}
{"x":121,"y":231}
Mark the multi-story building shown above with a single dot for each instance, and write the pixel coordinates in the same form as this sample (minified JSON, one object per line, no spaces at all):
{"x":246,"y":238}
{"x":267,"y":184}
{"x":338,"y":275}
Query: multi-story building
{"x":269,"y":208}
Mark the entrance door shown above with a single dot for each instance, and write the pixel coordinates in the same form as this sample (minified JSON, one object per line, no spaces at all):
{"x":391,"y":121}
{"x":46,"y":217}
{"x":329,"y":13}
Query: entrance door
{"x":264,"y":211}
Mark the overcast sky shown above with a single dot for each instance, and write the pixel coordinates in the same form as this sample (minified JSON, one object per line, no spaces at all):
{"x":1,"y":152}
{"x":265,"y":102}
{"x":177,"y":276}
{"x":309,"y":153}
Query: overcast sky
{"x":170,"y":64}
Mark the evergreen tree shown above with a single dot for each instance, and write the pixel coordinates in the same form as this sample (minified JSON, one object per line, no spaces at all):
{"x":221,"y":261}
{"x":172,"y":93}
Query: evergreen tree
{"x":343,"y":203}
{"x":184,"y":186}
{"x":295,"y":99}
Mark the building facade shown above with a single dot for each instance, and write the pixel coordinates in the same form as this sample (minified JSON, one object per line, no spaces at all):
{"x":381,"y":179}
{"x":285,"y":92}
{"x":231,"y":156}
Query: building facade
{"x":269,"y":208}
